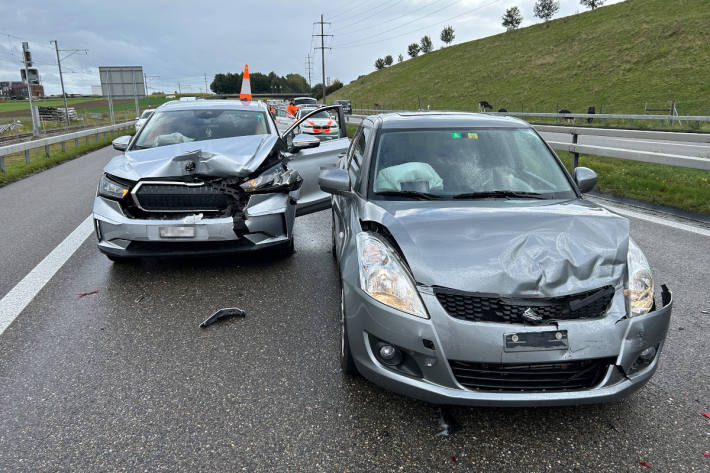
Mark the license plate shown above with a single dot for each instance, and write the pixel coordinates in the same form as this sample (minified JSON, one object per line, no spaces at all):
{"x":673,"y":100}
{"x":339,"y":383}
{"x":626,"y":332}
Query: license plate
{"x":534,"y":341}
{"x":177,"y":232}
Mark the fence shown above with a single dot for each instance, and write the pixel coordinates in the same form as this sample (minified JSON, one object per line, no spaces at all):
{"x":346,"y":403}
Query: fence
{"x":620,"y":153}
{"x":26,"y":146}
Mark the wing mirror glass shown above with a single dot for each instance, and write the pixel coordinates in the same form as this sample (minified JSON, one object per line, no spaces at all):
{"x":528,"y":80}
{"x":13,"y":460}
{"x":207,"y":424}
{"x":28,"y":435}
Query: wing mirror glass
{"x":585,"y":178}
{"x":121,"y":143}
{"x":334,"y":181}
{"x":304,"y":141}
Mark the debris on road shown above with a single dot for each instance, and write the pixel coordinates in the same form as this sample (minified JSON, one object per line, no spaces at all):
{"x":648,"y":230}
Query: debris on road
{"x":139,"y":298}
{"x":706,"y":414}
{"x":447,"y":422}
{"x":223,"y":314}
{"x":644,"y":464}
{"x":706,"y":453}
{"x":84,"y":294}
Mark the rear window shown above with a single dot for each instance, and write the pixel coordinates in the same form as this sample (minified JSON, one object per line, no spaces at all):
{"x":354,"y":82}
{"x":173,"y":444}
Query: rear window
{"x":182,"y":126}
{"x":305,"y":100}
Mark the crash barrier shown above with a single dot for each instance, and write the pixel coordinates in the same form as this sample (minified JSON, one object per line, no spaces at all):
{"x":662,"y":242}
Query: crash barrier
{"x":26,"y":146}
{"x":624,"y":153}
{"x":663,"y":120}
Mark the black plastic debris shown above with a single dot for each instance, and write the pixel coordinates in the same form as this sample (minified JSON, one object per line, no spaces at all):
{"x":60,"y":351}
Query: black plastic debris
{"x":448,"y":423}
{"x":223,"y":314}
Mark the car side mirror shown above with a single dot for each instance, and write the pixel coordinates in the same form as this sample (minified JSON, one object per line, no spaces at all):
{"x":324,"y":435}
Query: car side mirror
{"x":585,"y":178}
{"x":303,"y":141}
{"x":334,"y":181}
{"x":121,"y":143}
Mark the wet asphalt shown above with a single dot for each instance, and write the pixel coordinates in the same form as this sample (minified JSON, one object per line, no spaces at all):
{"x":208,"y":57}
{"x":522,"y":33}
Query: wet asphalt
{"x":125,"y":380}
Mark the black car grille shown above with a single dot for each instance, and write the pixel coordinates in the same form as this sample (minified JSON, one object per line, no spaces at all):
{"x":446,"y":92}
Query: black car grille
{"x":558,"y":376}
{"x":485,"y":308}
{"x":181,"y":198}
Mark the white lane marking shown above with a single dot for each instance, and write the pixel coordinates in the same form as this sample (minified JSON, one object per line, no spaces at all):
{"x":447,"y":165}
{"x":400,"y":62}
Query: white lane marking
{"x":658,"y":220}
{"x":24,"y":291}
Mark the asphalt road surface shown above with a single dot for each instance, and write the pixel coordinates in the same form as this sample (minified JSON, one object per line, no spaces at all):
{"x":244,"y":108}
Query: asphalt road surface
{"x":124,"y":380}
{"x":698,"y":150}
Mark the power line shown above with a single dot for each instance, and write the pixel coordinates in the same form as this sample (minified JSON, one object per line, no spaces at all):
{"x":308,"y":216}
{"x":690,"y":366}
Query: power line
{"x":357,"y":44}
{"x":408,"y":14}
{"x":373,"y":12}
{"x":355,"y":7}
{"x":322,"y":48}
{"x":309,"y":68}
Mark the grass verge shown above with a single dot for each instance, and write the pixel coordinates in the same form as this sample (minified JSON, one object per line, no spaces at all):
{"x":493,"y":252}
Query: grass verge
{"x":16,"y":169}
{"x":682,"y":188}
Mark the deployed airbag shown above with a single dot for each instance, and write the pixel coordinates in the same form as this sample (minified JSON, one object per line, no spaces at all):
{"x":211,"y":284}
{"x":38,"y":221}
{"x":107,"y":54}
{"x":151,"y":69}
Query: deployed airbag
{"x":391,"y":178}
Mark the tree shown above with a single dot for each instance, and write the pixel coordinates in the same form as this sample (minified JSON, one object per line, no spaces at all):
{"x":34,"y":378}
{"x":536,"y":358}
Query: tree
{"x":413,"y":50}
{"x":400,"y":58}
{"x":546,"y":9}
{"x":388,"y":60}
{"x":379,"y":63}
{"x":425,"y":44}
{"x":447,"y":34}
{"x":593,"y":4}
{"x":512,"y":18}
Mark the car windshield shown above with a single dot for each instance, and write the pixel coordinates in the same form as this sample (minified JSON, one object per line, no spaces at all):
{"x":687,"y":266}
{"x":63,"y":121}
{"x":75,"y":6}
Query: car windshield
{"x":466,"y":164}
{"x":316,"y":115}
{"x":181,"y":126}
{"x":147,"y":113}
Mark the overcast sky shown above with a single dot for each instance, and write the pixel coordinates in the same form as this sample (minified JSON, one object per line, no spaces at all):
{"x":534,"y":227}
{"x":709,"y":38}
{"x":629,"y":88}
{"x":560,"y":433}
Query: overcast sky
{"x":181,"y":40}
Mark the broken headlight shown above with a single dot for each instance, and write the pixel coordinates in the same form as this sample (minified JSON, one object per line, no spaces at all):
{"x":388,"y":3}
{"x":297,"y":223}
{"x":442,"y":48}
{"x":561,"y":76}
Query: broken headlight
{"x":112,"y":189}
{"x":640,"y":281}
{"x":272,"y":179}
{"x":384,"y":277}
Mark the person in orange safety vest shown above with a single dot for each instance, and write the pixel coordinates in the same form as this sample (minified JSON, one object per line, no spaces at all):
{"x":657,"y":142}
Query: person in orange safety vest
{"x":292,"y":109}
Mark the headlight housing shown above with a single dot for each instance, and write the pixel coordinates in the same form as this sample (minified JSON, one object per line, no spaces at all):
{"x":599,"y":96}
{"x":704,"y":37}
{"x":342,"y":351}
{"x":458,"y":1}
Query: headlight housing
{"x":272,"y":179}
{"x":112,"y":189}
{"x":640,"y":281}
{"x":384,"y":277}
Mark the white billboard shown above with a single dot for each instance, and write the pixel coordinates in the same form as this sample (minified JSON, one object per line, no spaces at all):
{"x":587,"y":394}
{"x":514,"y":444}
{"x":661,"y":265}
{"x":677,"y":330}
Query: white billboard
{"x":122,"y":82}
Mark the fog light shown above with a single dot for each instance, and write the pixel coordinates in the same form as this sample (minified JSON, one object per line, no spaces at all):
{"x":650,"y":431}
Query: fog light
{"x":648,"y":355}
{"x":389,"y":355}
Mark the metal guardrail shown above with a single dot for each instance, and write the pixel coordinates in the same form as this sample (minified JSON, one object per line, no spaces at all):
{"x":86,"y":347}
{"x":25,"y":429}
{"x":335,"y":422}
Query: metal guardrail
{"x":624,"y":153}
{"x":62,"y":139}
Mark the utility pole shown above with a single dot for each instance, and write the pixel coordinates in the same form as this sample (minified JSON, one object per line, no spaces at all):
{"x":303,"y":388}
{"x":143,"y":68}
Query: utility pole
{"x":27,"y":59}
{"x":309,"y":69}
{"x":322,"y":51}
{"x":61,"y":77}
{"x":145,"y":81}
{"x":206,"y":89}
{"x":179,"y":90}
{"x":135,"y":94}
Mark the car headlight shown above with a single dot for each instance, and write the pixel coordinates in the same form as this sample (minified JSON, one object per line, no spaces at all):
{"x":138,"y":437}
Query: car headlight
{"x":640,"y":281}
{"x":272,"y":179}
{"x":384,"y":277}
{"x":112,"y":189}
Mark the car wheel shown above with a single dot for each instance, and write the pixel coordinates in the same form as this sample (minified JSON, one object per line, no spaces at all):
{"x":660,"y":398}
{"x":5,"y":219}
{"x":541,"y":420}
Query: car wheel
{"x":287,"y":249}
{"x":120,"y":259}
{"x":347,"y":364}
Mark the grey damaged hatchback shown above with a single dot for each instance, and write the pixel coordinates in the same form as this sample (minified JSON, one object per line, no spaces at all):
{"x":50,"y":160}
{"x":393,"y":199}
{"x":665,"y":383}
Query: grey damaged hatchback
{"x":474,"y":272}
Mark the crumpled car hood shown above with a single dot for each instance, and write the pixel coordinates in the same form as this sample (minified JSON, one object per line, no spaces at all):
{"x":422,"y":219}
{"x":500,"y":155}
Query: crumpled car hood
{"x":535,"y":249}
{"x":226,"y":157}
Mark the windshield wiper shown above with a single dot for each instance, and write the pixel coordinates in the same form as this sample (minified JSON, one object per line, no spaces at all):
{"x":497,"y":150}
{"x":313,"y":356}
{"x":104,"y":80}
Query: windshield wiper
{"x":411,"y":194}
{"x":506,"y":194}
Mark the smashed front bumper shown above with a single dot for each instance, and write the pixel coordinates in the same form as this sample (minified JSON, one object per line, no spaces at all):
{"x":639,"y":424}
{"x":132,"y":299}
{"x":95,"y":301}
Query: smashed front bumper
{"x":431,"y":348}
{"x":267,"y":221}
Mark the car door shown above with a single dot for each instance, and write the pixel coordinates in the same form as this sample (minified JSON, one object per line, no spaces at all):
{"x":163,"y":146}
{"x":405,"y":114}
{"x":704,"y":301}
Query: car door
{"x":308,"y":162}
{"x":282,"y":121}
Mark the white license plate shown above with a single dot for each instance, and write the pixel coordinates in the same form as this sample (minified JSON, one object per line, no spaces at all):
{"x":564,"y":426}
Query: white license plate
{"x":177,"y":232}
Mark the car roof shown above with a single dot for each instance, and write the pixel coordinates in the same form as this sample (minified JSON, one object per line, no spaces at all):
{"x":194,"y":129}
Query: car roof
{"x":432,"y":119}
{"x":223,"y":104}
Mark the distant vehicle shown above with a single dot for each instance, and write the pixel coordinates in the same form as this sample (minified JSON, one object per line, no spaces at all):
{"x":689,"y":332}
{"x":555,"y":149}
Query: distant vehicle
{"x":298,"y":101}
{"x":322,"y":124}
{"x":208,"y":177}
{"x":140,"y":121}
{"x":347,"y":106}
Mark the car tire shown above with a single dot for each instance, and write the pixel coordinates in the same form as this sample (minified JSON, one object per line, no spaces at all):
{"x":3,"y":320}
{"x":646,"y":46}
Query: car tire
{"x":287,"y":249}
{"x":347,"y":363}
{"x":120,"y":259}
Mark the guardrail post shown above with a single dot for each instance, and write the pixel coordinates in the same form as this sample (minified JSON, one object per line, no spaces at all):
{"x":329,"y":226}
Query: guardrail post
{"x":27,"y":156}
{"x":2,"y":163}
{"x":104,"y":135}
{"x":575,"y":156}
{"x":87,"y":139}
{"x":97,"y":137}
{"x":46,"y":151}
{"x":64,"y":146}
{"x":76,"y":142}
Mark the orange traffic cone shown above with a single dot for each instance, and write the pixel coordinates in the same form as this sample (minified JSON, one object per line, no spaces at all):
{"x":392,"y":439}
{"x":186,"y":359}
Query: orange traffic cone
{"x":245,"y":94}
